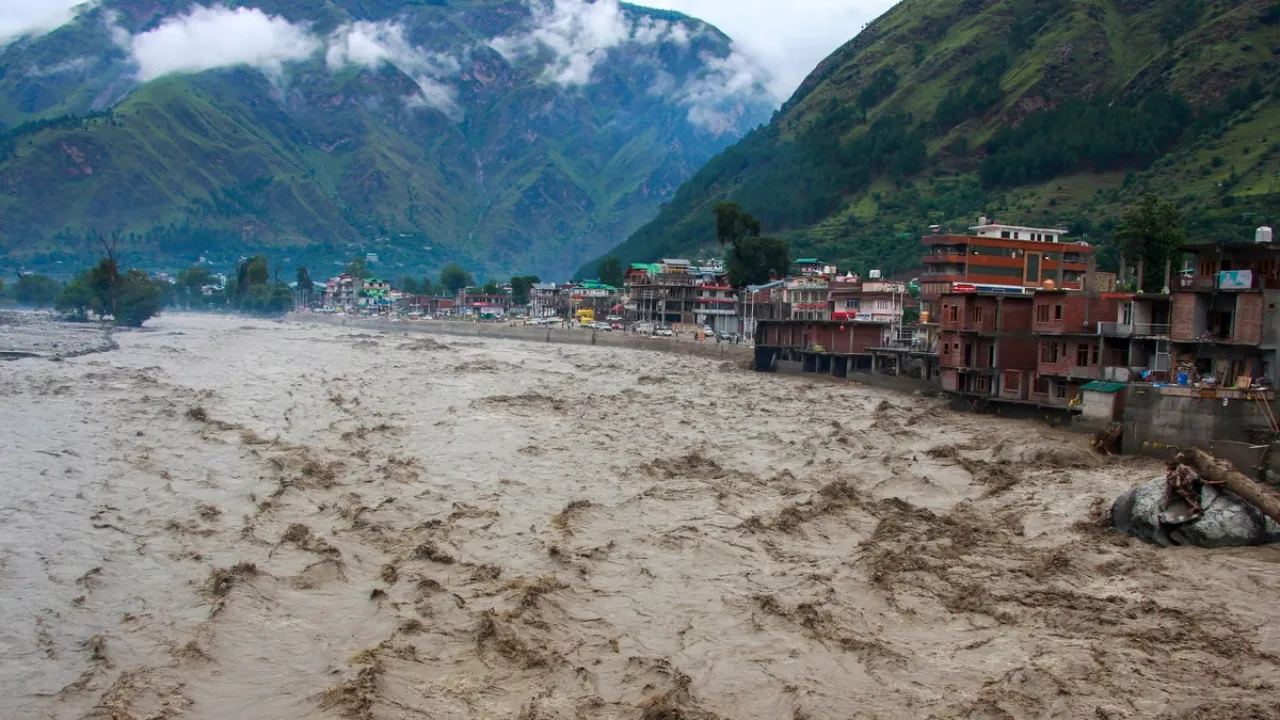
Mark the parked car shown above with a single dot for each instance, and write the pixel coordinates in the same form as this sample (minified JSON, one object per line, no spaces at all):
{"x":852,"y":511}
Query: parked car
{"x":616,"y":326}
{"x":663,"y":332}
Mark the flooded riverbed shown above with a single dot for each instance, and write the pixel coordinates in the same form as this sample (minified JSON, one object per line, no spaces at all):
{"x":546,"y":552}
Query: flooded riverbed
{"x":239,"y":519}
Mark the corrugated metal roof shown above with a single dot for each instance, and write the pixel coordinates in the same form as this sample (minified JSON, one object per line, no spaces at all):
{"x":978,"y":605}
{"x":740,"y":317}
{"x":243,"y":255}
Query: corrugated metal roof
{"x":1100,"y":386}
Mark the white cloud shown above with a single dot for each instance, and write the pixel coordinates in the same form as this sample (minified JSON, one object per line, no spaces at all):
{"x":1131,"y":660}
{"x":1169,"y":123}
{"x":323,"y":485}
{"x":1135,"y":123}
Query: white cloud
{"x":370,"y":44}
{"x":218,"y":37}
{"x":577,"y":35}
{"x":19,"y":18}
{"x":788,"y":39}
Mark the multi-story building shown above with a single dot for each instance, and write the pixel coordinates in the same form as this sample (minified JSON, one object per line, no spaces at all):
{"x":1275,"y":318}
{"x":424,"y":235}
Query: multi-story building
{"x":867,"y":301}
{"x":664,"y":293}
{"x":717,"y":307}
{"x":986,"y":348}
{"x":594,"y":296}
{"x":343,"y":292}
{"x":547,"y":300}
{"x":808,"y":297}
{"x":1225,"y":324}
{"x":1071,"y":343}
{"x":763,"y":302}
{"x":1010,"y":259}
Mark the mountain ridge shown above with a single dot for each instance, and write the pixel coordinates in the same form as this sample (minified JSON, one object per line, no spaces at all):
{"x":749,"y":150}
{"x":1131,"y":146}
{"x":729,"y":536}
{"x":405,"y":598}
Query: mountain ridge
{"x":943,"y":110}
{"x":359,"y":154}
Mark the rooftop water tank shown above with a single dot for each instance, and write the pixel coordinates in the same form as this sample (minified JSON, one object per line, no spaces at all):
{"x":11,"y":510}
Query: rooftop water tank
{"x":1263,"y":235}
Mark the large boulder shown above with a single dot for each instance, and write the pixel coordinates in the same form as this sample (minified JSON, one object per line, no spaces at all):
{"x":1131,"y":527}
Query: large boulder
{"x":1149,"y":513}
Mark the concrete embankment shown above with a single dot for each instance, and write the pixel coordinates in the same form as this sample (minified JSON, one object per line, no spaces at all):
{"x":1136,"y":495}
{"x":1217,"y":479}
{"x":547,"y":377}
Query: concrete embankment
{"x":575,"y":336}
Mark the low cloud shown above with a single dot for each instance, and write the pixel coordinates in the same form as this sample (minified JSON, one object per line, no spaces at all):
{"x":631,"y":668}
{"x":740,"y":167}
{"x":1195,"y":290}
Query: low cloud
{"x":575,"y":36}
{"x":371,"y":44}
{"x":20,"y":18}
{"x":217,"y":37}
{"x":717,"y":98}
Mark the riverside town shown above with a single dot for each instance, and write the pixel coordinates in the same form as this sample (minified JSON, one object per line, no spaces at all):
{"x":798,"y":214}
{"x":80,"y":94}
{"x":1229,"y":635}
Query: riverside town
{"x":1006,"y":319}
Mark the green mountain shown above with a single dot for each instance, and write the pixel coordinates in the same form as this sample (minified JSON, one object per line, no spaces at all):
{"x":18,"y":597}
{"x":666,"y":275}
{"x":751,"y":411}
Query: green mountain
{"x":506,"y":135}
{"x":1029,"y":111}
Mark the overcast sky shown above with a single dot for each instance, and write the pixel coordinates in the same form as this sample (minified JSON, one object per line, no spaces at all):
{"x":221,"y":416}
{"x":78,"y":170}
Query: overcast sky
{"x":789,"y":37}
{"x":786,"y":37}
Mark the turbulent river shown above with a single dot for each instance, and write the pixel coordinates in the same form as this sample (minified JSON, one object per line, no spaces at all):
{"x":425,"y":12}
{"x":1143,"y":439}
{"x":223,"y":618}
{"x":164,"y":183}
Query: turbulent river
{"x":236,"y":519}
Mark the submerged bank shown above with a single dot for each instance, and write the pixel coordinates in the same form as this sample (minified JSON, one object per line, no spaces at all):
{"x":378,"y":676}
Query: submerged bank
{"x":231,"y":518}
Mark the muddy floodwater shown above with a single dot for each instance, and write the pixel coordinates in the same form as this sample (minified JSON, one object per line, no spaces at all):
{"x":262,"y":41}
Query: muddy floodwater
{"x":226,"y":518}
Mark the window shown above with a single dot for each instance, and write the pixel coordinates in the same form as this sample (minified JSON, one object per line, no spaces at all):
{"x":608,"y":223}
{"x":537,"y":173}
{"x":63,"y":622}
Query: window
{"x":882,"y":304}
{"x":1012,"y":382}
{"x":984,"y":384}
{"x":1095,"y":355}
{"x":1082,"y":354}
{"x":1057,"y":312}
{"x":1004,"y":234}
{"x":1042,"y":385}
{"x":953,"y":313}
{"x":977,"y":316}
{"x":1042,"y":313}
{"x":1051,"y":237}
{"x":1207,"y":267}
{"x":1048,"y":352}
{"x":946,"y":349}
{"x":1060,"y":391}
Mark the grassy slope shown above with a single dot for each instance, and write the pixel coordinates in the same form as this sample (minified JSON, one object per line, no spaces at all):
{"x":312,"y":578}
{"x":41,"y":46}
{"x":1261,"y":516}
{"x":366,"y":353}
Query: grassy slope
{"x":1108,"y":48}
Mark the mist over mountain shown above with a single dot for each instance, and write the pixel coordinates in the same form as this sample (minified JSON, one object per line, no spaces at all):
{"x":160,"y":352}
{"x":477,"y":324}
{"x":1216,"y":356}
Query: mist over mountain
{"x":510,"y":136}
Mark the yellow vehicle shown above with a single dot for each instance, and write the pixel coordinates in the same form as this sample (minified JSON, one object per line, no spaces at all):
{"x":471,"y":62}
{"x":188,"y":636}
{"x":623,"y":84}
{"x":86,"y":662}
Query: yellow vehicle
{"x":585,"y":316}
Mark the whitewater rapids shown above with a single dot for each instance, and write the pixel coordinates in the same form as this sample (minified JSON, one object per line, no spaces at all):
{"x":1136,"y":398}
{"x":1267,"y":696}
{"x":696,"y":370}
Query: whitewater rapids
{"x":226,"y":518}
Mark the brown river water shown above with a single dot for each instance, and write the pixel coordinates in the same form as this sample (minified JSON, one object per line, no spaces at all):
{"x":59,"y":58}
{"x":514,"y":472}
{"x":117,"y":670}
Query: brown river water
{"x":238,"y":519}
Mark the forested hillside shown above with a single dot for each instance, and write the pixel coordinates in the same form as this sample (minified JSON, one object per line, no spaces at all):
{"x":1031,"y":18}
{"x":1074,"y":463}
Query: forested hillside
{"x":506,"y":135}
{"x":1029,"y":111}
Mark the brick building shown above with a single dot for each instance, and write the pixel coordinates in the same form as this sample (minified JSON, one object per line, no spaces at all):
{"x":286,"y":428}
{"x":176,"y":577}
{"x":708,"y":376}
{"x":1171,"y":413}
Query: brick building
{"x":1000,"y":258}
{"x":986,"y":347}
{"x":1070,"y":347}
{"x":1224,"y":322}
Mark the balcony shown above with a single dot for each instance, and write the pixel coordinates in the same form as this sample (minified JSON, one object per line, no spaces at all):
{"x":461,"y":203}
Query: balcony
{"x":944,"y":258}
{"x":1227,"y":281}
{"x":1083,"y":372}
{"x":1139,"y":330}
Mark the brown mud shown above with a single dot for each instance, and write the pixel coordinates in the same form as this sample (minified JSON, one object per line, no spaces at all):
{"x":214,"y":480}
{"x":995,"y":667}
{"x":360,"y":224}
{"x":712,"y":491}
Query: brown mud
{"x":252,"y":520}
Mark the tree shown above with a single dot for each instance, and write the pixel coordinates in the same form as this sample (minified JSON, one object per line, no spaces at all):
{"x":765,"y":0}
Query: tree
{"x":138,"y":299}
{"x":610,"y":272}
{"x":304,"y":279}
{"x":357,"y":268}
{"x":76,"y":300}
{"x":1152,"y":231}
{"x":38,"y":290}
{"x":751,"y":259}
{"x":733,"y":225}
{"x":492,"y":288}
{"x":426,"y":287}
{"x":757,"y":260}
{"x":409,"y":285}
{"x":520,"y":287}
{"x":453,"y":278}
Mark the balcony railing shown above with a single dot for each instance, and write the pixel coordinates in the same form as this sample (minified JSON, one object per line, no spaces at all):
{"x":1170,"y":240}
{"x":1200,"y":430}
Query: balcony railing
{"x":944,"y":258}
{"x":1134,"y":329}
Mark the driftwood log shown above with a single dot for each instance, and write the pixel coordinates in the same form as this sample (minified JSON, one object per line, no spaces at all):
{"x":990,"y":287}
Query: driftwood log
{"x":1221,"y":472}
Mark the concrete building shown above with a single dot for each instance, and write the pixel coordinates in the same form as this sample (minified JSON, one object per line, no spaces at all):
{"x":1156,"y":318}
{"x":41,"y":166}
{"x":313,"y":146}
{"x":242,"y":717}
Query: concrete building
{"x":547,"y":300}
{"x":808,"y":297}
{"x":594,"y":296}
{"x":1011,"y":259}
{"x":1224,"y":320}
{"x":717,"y":307}
{"x":1070,"y":348}
{"x":343,"y":292}
{"x":662,"y":293}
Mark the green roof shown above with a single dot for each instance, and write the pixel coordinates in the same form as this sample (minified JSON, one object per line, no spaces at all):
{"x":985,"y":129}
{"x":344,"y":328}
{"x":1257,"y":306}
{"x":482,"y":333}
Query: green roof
{"x":1099,"y":386}
{"x":807,"y":261}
